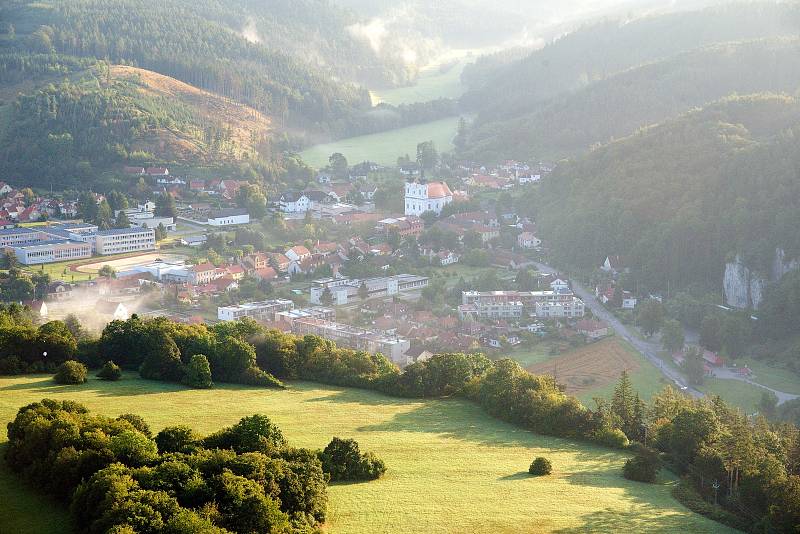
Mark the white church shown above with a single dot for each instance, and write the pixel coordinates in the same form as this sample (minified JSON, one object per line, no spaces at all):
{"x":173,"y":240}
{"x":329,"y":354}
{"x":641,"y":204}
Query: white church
{"x":432,"y":196}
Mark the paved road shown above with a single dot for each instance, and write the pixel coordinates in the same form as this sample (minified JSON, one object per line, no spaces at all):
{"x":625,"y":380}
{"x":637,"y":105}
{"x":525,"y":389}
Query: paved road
{"x":650,"y":350}
{"x":647,"y":349}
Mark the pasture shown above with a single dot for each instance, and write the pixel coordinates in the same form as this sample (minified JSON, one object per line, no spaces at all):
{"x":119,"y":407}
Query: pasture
{"x":451,"y":468}
{"x":435,"y":81}
{"x":384,"y":148}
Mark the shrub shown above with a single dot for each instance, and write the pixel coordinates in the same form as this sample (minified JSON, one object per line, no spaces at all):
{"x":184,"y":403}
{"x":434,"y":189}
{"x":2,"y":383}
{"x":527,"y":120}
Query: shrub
{"x":343,"y":460}
{"x":198,"y":373}
{"x":12,"y":365}
{"x":133,"y":448}
{"x":612,"y":437}
{"x":643,"y":467}
{"x":110,"y":371}
{"x":540,"y":466}
{"x":71,"y":372}
{"x":253,"y":376}
{"x":176,"y":439}
{"x":251,"y":434}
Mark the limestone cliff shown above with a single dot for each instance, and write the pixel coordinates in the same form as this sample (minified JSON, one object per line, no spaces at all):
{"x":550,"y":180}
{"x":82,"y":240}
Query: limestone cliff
{"x":744,"y":287}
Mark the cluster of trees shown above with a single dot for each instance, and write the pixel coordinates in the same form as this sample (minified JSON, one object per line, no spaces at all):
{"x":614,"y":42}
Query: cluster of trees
{"x":169,"y":351}
{"x":117,"y":477}
{"x":679,"y":200}
{"x":25,"y":348}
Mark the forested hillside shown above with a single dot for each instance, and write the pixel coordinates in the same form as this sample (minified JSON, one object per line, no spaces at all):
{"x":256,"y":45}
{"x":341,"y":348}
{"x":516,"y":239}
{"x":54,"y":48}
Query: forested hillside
{"x":64,"y":133}
{"x":617,"y":106}
{"x":679,"y":199}
{"x":202,"y":44}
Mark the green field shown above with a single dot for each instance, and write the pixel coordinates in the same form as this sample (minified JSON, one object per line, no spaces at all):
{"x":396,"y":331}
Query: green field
{"x":433,"y":82}
{"x":385,"y":147}
{"x":734,"y":392}
{"x":57,"y":271}
{"x":780,"y":379}
{"x":451,"y":468}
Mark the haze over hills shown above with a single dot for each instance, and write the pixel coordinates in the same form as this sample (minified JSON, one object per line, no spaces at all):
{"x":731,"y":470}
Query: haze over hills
{"x":618,"y":105}
{"x":605,"y":51}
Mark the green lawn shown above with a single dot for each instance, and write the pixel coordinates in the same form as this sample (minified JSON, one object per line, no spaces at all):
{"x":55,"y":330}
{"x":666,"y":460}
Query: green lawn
{"x":780,"y":379}
{"x":735,"y":392}
{"x":451,"y":468}
{"x":433,"y":83}
{"x":385,"y":147}
{"x":531,"y":355}
{"x":56,"y":271}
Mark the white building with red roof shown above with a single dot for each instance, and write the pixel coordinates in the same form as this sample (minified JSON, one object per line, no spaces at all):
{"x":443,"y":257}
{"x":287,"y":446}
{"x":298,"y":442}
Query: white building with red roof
{"x":432,"y":196}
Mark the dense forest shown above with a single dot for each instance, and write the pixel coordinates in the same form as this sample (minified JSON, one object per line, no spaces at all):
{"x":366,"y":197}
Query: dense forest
{"x":189,"y":42}
{"x":678,"y":200}
{"x":617,"y":106}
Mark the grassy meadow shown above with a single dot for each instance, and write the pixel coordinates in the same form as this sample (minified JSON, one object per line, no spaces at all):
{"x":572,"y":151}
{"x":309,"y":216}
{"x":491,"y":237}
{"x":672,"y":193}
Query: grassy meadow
{"x":435,"y":81}
{"x":385,"y":147}
{"x":451,"y":468}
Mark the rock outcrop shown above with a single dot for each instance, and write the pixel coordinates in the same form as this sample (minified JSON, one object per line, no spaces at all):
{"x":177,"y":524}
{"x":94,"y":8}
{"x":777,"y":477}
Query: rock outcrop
{"x":744,"y":287}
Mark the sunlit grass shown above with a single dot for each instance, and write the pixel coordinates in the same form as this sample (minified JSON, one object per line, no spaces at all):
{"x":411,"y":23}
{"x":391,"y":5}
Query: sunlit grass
{"x":451,"y":467}
{"x":384,"y":148}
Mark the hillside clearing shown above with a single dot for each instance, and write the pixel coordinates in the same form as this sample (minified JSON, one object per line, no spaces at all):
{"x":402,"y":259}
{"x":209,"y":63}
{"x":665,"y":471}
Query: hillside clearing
{"x":449,"y":463}
{"x":385,"y":147}
{"x":593,"y":370}
{"x":436,"y":81}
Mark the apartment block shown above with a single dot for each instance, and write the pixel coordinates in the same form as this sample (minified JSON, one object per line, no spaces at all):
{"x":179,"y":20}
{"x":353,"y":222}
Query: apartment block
{"x":122,"y":240}
{"x":259,"y":311}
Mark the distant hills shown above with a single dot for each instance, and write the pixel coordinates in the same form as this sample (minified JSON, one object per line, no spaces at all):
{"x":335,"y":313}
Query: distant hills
{"x":537,"y":106}
{"x":618,"y":105}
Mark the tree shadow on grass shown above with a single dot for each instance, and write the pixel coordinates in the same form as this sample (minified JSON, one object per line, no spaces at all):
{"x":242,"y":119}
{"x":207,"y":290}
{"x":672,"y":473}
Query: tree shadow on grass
{"x":459,"y":419}
{"x":365,"y":397}
{"x":647,"y":518}
{"x":122,"y":388}
{"x":522,"y":475}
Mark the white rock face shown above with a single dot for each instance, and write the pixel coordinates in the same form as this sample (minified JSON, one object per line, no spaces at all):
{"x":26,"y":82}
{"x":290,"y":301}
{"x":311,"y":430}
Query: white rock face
{"x":744,"y":288}
{"x":737,"y":284}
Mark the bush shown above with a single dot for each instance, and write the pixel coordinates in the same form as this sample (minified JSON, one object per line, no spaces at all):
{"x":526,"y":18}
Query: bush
{"x":198,"y":373}
{"x":343,"y":460}
{"x":110,"y":371}
{"x":612,"y":437}
{"x":71,"y":372}
{"x":540,"y":466}
{"x":176,"y":439}
{"x":12,"y":365}
{"x":643,"y":467}
{"x":253,"y":376}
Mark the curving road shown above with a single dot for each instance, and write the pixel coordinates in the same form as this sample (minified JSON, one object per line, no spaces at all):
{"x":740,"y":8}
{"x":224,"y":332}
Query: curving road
{"x":650,"y":350}
{"x":647,"y":349}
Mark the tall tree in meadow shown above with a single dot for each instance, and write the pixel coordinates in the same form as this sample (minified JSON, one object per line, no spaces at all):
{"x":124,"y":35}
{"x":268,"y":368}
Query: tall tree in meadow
{"x":672,"y":337}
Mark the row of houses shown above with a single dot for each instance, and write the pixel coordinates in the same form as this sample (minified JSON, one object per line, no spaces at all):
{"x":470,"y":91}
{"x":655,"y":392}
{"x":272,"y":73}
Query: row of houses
{"x":559,"y":302}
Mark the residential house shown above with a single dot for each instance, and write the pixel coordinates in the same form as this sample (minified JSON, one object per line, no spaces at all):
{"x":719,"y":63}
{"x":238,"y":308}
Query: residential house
{"x":38,"y":307}
{"x":203,"y":273}
{"x":592,"y":329}
{"x":528,"y":240}
{"x":294,"y":202}
{"x":116,"y":311}
{"x":613,"y":265}
{"x":298,"y":253}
